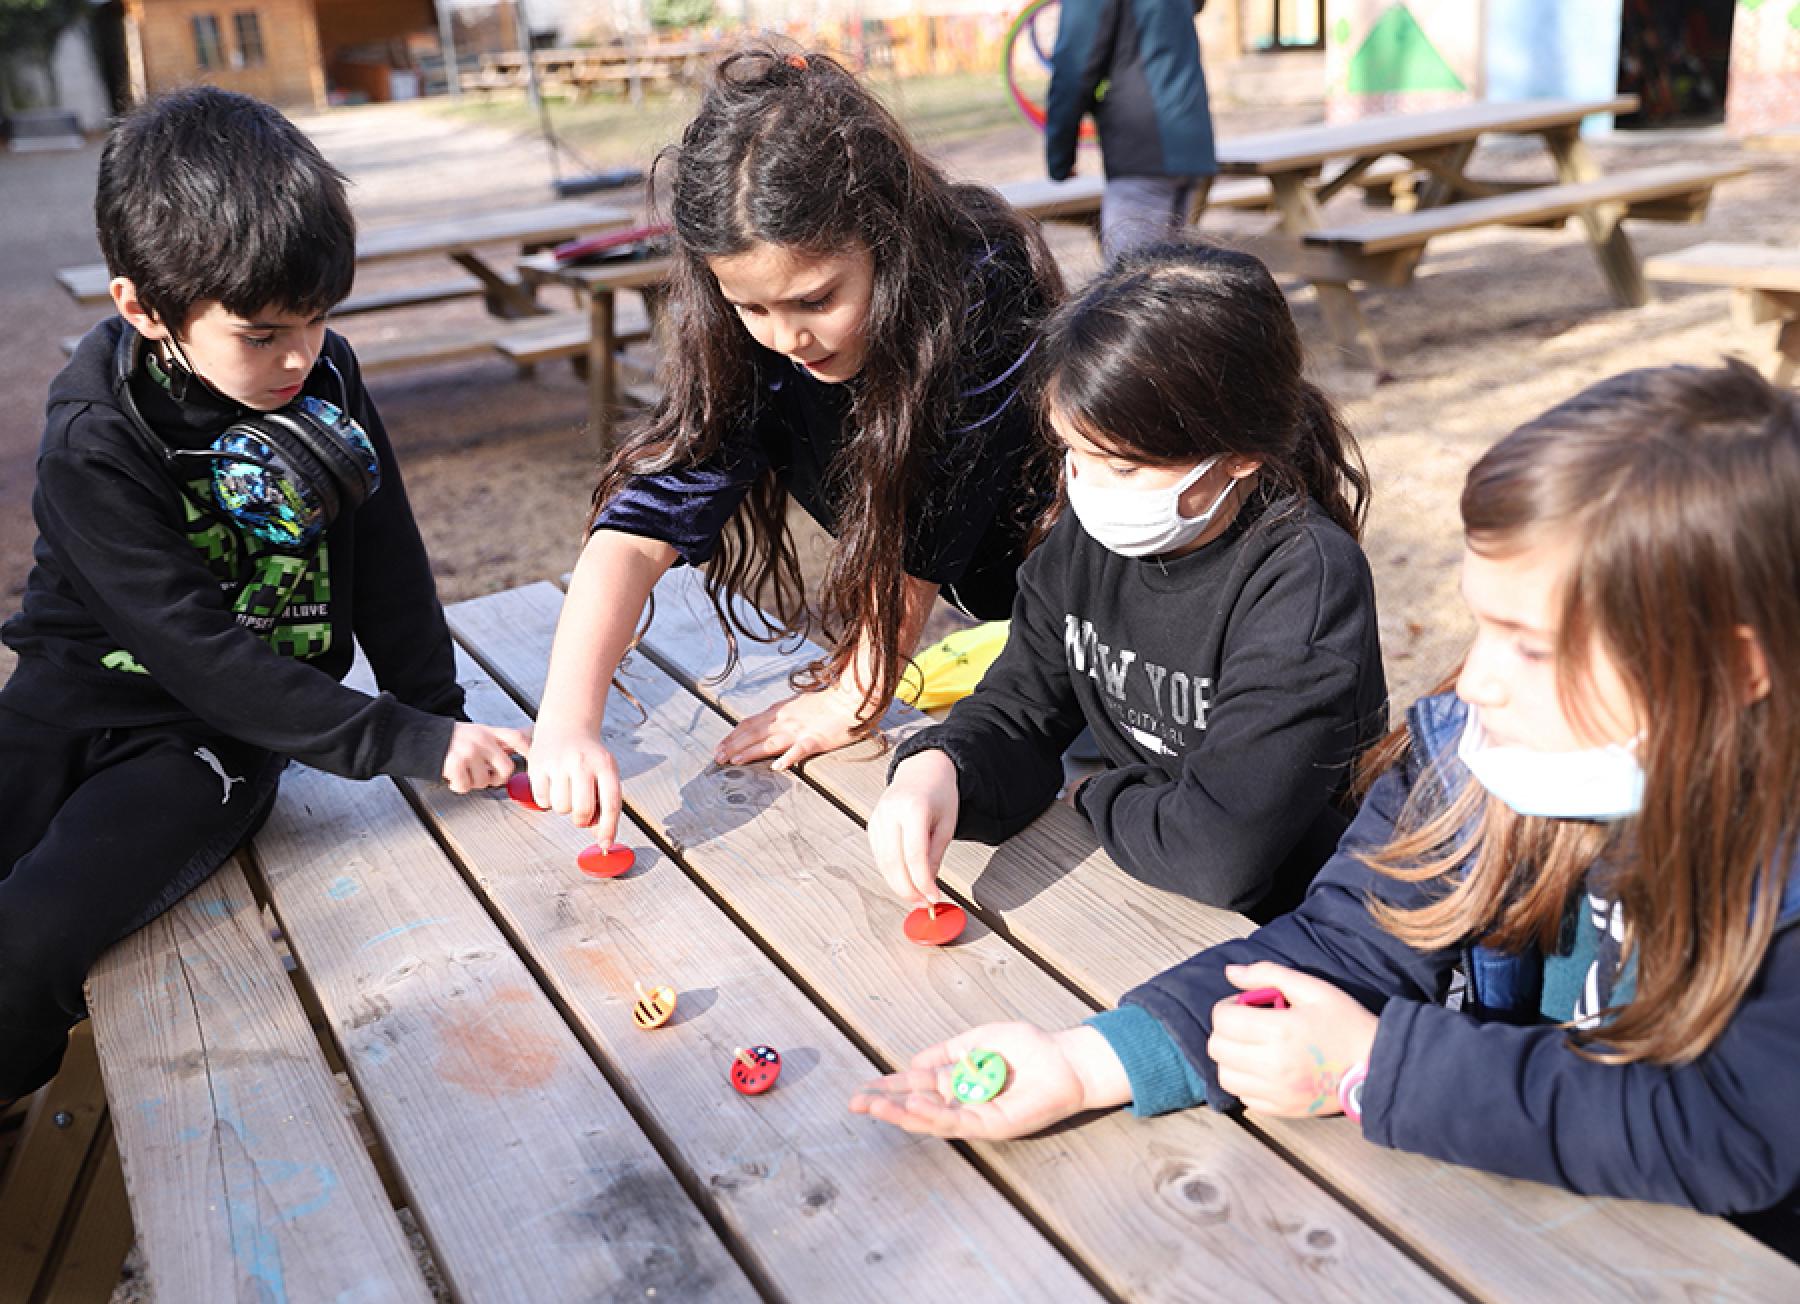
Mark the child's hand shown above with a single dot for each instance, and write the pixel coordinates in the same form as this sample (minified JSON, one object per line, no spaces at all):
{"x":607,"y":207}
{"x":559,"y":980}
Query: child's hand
{"x":913,"y":823}
{"x":1288,"y":1062}
{"x":1050,"y":1076}
{"x":807,"y":724}
{"x":573,"y":774}
{"x":481,"y":755}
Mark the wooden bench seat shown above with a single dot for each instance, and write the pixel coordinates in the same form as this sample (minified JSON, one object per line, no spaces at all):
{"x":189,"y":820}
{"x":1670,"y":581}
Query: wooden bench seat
{"x":1078,"y":198}
{"x":1638,"y":191}
{"x":88,"y":283}
{"x":566,"y":334}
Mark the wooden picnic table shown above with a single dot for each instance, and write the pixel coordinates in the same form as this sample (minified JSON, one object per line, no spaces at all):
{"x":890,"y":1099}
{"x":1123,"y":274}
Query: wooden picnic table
{"x":1765,"y":292}
{"x":1076,"y":200}
{"x":1440,"y":143}
{"x":476,"y":993}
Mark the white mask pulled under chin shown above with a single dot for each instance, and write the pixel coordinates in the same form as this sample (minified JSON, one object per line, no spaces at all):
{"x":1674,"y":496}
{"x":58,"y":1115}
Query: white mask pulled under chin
{"x":1140,"y":522}
{"x":1595,"y":783}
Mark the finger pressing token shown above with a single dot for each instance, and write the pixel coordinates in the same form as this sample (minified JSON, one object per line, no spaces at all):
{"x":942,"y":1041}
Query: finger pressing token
{"x":519,"y":789}
{"x":978,"y":1077}
{"x":653,"y":1007}
{"x":605,"y":862}
{"x":754,"y":1069}
{"x":935,"y":924}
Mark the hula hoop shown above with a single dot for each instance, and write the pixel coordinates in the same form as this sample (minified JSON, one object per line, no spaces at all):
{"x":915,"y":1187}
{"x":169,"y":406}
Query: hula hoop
{"x":1028,"y":108}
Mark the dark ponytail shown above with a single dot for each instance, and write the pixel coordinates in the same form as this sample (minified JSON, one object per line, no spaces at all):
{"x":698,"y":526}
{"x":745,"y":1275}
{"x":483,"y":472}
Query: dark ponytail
{"x":1184,"y":350}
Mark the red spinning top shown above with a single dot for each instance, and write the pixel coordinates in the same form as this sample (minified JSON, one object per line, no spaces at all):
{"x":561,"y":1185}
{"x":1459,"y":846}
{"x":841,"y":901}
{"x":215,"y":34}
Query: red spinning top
{"x":754,"y":1070}
{"x":935,"y":925}
{"x":597,"y":861}
{"x":519,"y":789}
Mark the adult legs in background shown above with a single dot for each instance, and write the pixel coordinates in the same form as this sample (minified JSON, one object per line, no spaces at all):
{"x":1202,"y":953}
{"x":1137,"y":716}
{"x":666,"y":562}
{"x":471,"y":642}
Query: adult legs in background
{"x":1137,"y":211}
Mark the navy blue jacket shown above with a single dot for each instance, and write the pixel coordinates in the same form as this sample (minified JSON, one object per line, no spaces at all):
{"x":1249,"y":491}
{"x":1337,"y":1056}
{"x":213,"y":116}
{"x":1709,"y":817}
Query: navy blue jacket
{"x":1483,"y":1086}
{"x":1134,"y":65}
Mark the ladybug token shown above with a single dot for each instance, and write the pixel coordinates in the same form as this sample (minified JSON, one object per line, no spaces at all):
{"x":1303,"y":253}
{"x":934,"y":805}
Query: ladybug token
{"x":1268,"y":997}
{"x":936,"y":924}
{"x":754,"y":1070}
{"x":519,"y":789}
{"x":978,"y":1077}
{"x":606,"y":862}
{"x":654,"y":1007}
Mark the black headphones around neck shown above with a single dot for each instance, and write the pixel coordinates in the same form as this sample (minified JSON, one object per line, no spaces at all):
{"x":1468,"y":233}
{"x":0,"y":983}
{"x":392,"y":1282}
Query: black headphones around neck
{"x":283,"y":476}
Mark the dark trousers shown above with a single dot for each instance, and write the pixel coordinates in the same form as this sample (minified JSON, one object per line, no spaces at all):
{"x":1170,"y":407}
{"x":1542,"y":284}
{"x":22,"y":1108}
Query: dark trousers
{"x":100,"y":832}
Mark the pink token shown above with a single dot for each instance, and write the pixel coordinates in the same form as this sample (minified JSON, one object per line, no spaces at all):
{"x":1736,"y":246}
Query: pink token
{"x":519,"y":789}
{"x":1267,"y":997}
{"x":597,"y":861}
{"x":935,"y":925}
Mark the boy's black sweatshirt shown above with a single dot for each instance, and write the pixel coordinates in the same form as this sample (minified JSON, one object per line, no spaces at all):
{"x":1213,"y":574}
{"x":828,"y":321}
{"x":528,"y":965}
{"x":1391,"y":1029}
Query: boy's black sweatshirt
{"x":1229,"y":690}
{"x":129,"y":619}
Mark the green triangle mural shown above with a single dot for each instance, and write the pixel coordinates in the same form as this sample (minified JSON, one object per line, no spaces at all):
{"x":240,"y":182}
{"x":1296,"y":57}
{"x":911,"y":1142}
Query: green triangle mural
{"x":1396,"y":56}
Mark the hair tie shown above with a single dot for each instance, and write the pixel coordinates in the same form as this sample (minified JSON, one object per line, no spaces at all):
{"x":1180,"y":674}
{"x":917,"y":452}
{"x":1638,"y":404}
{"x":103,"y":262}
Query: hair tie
{"x":797,"y":61}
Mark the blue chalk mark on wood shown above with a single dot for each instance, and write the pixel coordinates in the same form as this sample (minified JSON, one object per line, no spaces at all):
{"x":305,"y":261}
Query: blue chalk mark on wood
{"x":343,"y":887}
{"x":392,"y":933}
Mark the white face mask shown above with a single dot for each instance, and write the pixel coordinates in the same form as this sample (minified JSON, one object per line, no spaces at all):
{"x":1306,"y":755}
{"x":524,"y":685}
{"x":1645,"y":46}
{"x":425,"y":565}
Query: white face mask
{"x":1595,"y":783}
{"x":1140,"y":522}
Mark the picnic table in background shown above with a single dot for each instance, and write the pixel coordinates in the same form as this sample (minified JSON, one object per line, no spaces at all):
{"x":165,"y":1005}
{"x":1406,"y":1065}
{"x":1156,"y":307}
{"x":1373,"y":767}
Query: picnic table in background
{"x":476,"y":992}
{"x":1765,"y":291}
{"x":465,"y":241}
{"x":1385,"y":249}
{"x":579,"y":71}
{"x":624,"y":298}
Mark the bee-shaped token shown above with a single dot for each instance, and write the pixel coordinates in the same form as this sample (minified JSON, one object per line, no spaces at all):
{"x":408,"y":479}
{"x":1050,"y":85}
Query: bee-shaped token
{"x":754,"y":1069}
{"x":654,"y":1007}
{"x":978,"y":1077}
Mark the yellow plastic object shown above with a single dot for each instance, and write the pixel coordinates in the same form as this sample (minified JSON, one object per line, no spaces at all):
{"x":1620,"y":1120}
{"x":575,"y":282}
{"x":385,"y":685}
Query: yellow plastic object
{"x":948,"y":670}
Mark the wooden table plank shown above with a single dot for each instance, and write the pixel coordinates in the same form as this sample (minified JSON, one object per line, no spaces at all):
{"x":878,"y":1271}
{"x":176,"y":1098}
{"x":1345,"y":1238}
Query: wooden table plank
{"x":1297,"y":148}
{"x":247,"y":1180}
{"x":522,"y":1166}
{"x":539,"y":224}
{"x":1469,"y":1224}
{"x":1149,"y":1206}
{"x":1760,"y":267}
{"x":814,"y":1197}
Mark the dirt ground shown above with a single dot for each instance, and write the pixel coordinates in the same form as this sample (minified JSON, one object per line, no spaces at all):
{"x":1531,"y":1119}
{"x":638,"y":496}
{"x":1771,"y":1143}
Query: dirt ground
{"x":1497,"y":326}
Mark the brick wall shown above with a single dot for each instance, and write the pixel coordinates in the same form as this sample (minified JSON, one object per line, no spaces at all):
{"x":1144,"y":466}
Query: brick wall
{"x":160,"y":36}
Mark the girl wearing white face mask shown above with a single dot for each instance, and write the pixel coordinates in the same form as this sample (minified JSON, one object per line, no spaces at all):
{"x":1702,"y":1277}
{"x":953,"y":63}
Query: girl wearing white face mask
{"x":1599,"y":828}
{"x":1203,"y":605}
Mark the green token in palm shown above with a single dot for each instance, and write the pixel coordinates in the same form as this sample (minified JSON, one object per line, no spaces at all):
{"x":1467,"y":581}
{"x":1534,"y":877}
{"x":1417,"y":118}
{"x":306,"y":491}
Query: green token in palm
{"x":978,"y":1077}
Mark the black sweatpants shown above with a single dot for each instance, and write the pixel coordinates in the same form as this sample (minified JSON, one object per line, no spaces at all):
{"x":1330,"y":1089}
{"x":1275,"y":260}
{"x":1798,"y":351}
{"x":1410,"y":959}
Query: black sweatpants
{"x":100,"y":832}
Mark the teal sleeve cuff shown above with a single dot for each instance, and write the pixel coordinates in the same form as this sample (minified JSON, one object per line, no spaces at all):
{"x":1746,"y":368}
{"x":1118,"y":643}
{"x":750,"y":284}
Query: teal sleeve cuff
{"x":1161,"y":1078}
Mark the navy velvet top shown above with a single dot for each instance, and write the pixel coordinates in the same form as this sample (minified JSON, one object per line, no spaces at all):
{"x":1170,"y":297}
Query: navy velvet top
{"x":967,"y":526}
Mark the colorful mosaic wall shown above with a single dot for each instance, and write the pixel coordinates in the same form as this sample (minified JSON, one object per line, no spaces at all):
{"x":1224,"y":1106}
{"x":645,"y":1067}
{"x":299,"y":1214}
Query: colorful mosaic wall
{"x":1763,"y":89}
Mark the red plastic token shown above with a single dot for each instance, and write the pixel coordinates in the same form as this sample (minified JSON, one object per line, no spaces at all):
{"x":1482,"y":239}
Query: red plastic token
{"x":519,"y":789}
{"x":754,"y":1069}
{"x":1268,"y":997}
{"x":597,"y":861}
{"x":929,"y":928}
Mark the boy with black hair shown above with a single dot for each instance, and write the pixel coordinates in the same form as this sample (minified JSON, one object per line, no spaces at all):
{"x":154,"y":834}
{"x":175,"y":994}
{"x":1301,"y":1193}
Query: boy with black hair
{"x":219,"y":518}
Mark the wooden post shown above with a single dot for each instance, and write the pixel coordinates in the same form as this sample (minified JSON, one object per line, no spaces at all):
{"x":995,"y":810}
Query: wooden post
{"x":1343,"y":315}
{"x":600,"y":365}
{"x":1605,"y":228}
{"x":447,"y":41}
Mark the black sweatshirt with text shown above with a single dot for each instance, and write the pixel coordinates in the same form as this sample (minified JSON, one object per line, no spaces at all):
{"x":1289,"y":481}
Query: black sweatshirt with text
{"x":146,"y":605}
{"x":1229,"y":690}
